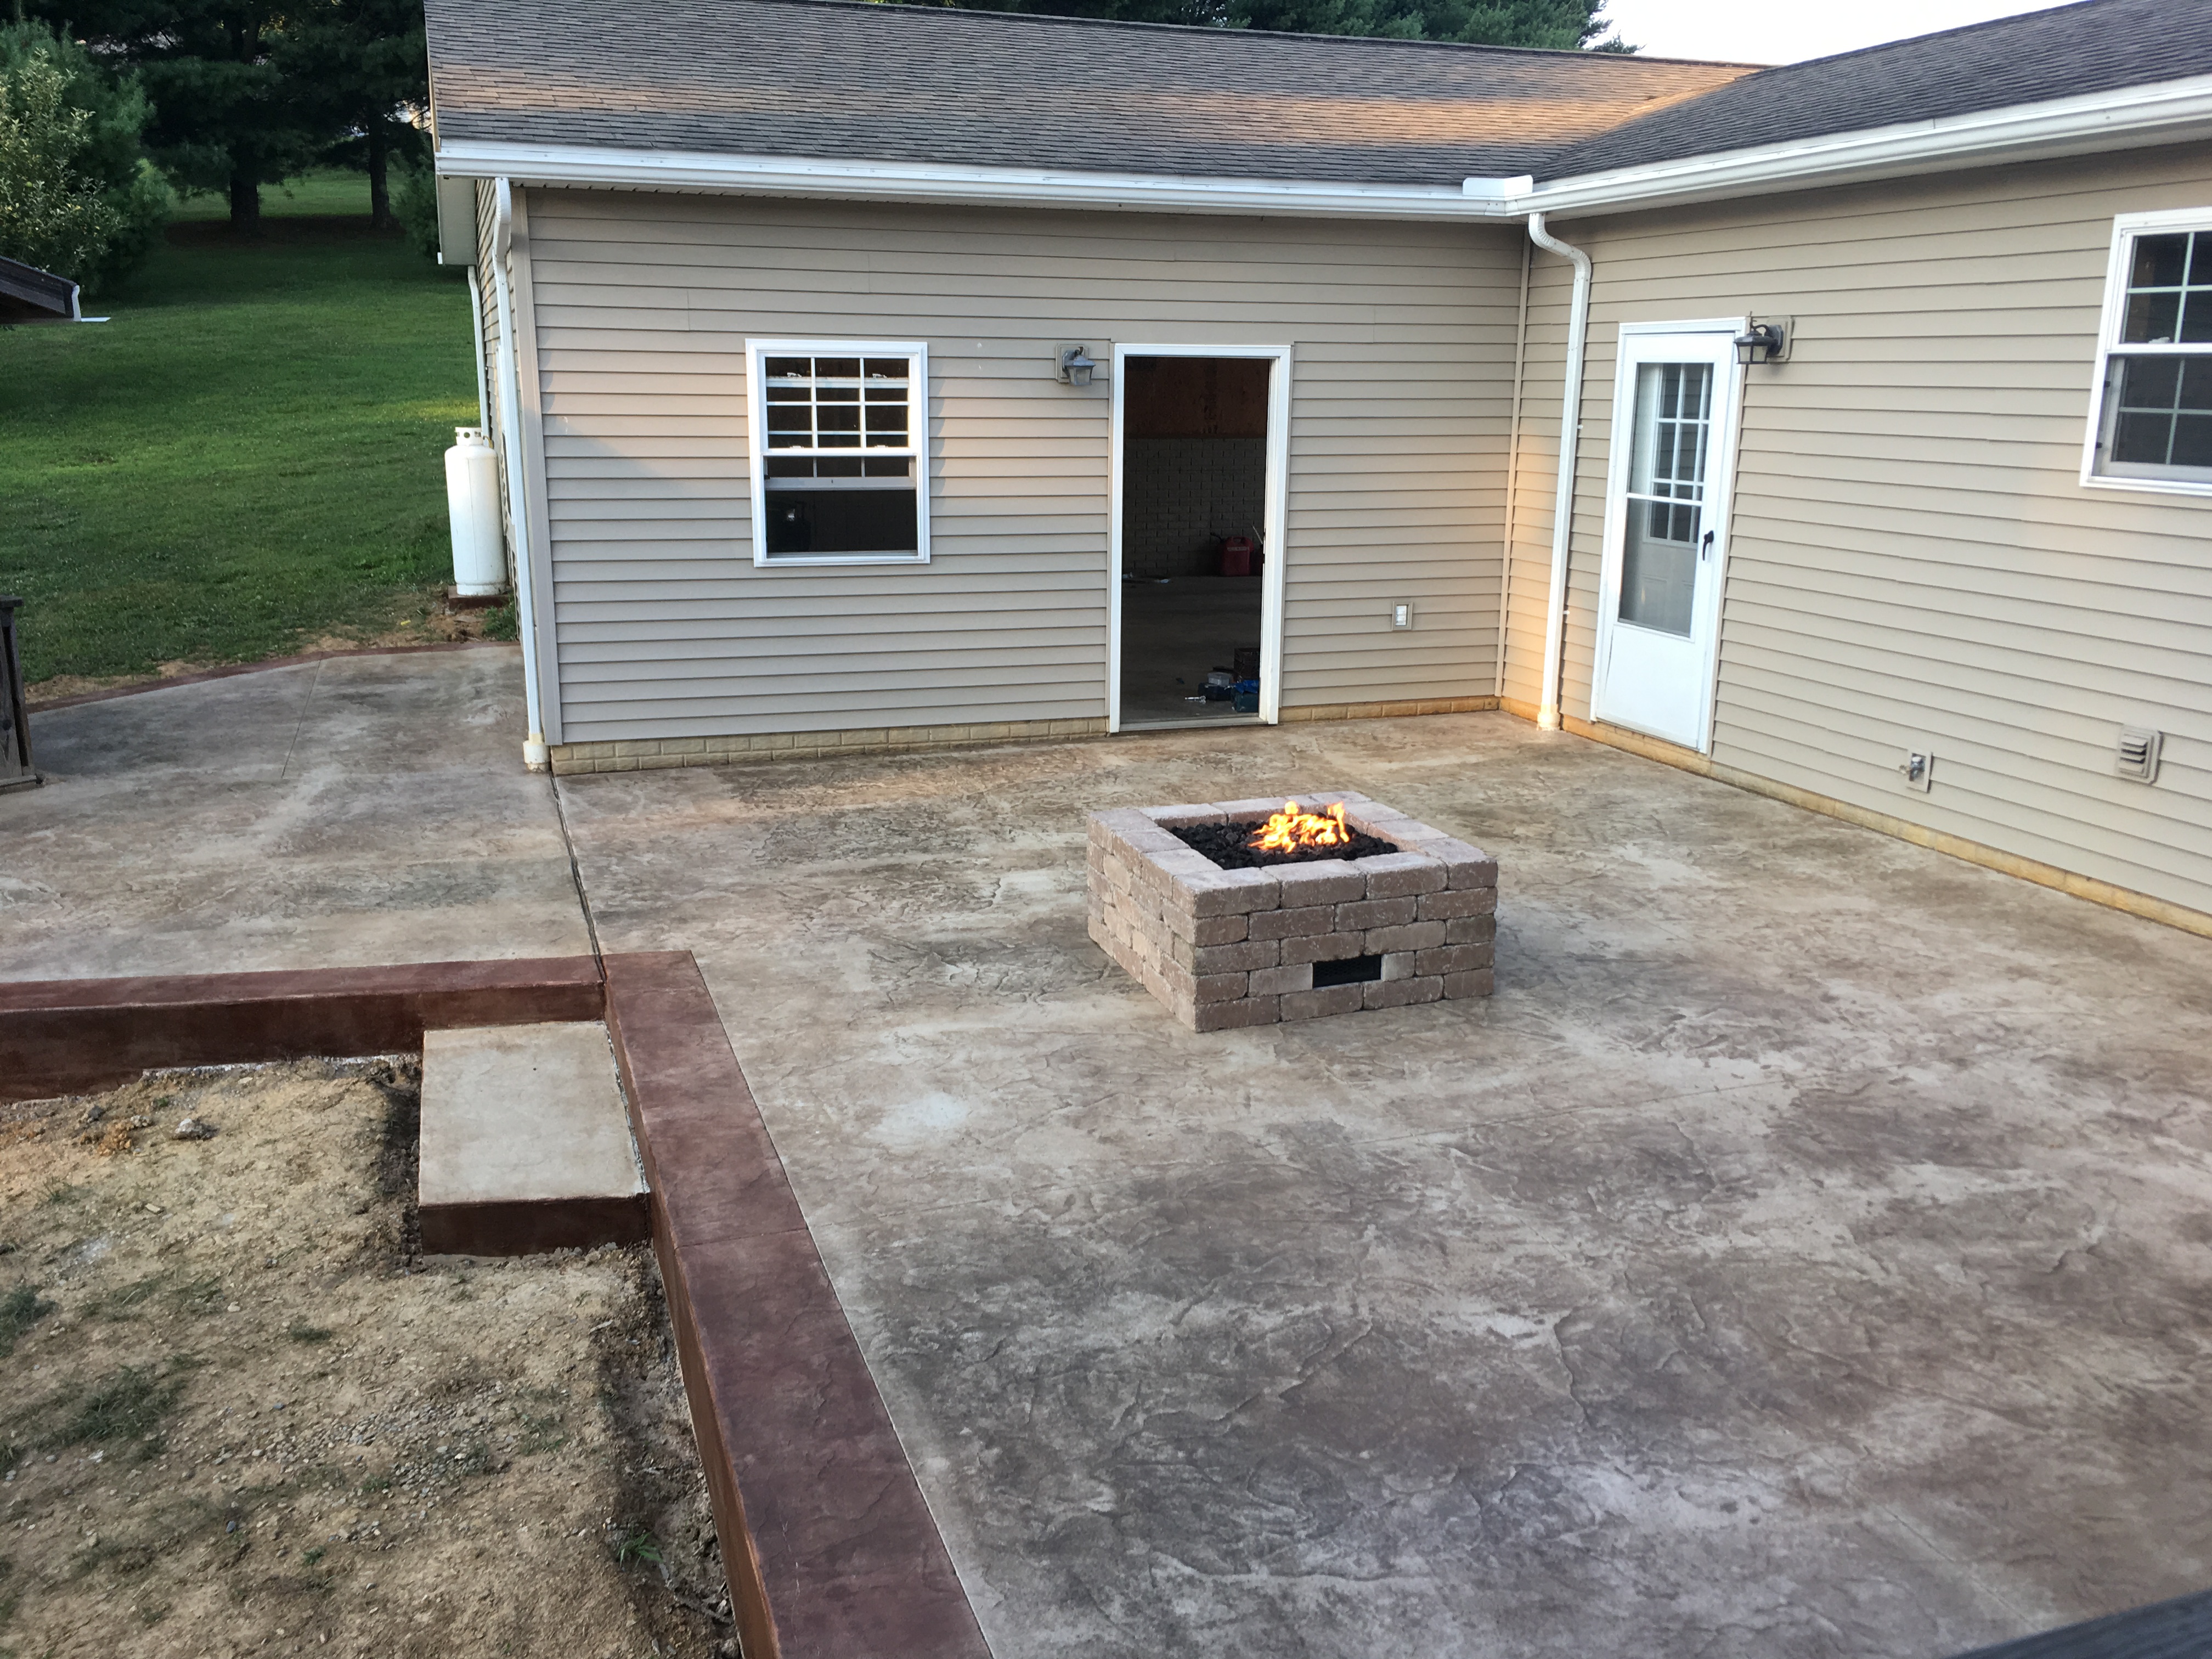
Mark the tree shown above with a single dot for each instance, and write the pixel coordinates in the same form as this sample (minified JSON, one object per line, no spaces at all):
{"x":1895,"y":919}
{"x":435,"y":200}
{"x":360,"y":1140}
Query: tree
{"x":77,"y":195}
{"x":363,"y":65}
{"x":1560,"y":25}
{"x":226,"y":117}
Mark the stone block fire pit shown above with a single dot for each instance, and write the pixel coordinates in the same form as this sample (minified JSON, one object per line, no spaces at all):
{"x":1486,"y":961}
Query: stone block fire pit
{"x":1346,"y":904}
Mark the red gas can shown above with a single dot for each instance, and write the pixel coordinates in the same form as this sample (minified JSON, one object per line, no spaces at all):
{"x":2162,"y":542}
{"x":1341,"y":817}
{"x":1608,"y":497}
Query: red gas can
{"x":1238,"y":556}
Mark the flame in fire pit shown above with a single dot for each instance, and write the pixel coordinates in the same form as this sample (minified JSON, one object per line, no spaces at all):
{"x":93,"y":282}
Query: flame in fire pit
{"x":1294,"y":829}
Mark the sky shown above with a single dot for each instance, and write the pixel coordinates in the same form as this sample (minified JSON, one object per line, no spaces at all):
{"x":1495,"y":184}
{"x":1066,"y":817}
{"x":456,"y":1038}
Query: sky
{"x":1762,"y":32}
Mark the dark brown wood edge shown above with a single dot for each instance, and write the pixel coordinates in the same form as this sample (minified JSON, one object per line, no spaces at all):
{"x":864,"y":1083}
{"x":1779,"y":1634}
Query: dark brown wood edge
{"x":530,"y":1226}
{"x":230,"y":671}
{"x":827,"y":1541}
{"x":77,"y":1036}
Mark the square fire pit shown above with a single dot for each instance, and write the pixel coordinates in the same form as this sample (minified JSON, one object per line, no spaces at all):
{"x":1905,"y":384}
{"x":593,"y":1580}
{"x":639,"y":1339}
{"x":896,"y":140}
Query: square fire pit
{"x":1409,"y":916}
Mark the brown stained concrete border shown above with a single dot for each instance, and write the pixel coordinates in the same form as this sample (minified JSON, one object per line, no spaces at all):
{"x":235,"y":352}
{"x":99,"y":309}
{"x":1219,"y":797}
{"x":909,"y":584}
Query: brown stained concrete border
{"x":828,"y":1544}
{"x":76,"y":1035}
{"x":528,"y":1226}
{"x":845,"y":1560}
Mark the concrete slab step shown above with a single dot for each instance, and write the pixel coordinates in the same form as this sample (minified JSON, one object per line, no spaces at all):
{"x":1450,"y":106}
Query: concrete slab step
{"x":525,"y":1143}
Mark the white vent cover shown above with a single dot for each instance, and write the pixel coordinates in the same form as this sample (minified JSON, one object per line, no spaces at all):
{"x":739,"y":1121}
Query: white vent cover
{"x":2138,"y":753}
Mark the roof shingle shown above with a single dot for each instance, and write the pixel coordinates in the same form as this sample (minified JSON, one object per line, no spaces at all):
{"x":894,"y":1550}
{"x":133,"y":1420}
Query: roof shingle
{"x":820,"y":79}
{"x":2097,"y":46}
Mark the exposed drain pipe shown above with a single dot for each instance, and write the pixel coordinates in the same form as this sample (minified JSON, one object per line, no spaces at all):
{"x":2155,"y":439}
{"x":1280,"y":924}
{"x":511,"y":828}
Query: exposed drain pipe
{"x":535,"y":755}
{"x":1563,"y":510}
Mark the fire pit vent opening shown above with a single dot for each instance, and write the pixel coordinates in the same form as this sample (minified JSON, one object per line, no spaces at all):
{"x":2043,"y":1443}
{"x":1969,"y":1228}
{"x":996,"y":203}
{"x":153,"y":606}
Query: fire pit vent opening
{"x":1361,"y":908}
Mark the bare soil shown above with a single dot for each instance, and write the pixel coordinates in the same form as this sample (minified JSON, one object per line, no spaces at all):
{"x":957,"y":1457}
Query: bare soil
{"x":430,"y":623}
{"x":240,"y":1414}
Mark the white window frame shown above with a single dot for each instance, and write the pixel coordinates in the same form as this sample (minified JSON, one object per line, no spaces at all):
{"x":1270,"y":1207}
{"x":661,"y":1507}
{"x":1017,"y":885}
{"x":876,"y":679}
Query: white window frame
{"x":757,"y":353}
{"x":2126,"y":227}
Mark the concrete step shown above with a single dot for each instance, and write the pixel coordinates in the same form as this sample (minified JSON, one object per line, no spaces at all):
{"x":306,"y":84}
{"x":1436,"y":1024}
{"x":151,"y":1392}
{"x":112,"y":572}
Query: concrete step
{"x":525,"y":1142}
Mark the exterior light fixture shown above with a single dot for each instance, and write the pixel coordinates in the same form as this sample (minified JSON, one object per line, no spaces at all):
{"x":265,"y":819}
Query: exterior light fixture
{"x":1762,"y":343}
{"x":1073,"y":365}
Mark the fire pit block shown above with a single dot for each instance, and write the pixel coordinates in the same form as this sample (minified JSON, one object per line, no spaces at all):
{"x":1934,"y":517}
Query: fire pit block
{"x":1223,"y":948}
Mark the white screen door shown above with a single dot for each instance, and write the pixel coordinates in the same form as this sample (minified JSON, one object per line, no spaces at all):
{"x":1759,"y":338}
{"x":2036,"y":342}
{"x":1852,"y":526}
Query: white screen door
{"x":1666,"y":529}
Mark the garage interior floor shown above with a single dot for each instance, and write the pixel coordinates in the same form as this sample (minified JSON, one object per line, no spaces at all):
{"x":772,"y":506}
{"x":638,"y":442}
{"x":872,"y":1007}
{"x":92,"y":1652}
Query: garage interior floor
{"x":1172,"y":633}
{"x":1805,"y":1252}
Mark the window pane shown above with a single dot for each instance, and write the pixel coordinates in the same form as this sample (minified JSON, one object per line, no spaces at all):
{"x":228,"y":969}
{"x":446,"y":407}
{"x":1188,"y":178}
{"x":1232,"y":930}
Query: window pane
{"x":888,"y":467}
{"x":2160,"y":261}
{"x":837,"y":368}
{"x":893,"y":368}
{"x":836,"y":394}
{"x":2148,"y":382}
{"x":2141,"y":440}
{"x":2151,"y":319}
{"x":838,"y":466}
{"x":827,"y":521}
{"x":826,"y":420}
{"x":2195,"y":382}
{"x":2192,"y":441}
{"x":780,"y":368}
{"x":2196,"y":316}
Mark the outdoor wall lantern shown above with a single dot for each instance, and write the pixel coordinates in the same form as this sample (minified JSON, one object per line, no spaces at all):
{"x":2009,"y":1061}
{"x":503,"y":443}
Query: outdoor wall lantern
{"x":1073,"y":365}
{"x":1762,"y":343}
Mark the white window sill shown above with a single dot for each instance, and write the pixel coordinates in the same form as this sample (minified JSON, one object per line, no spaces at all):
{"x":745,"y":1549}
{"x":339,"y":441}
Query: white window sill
{"x":815,"y":561}
{"x":2149,"y":486}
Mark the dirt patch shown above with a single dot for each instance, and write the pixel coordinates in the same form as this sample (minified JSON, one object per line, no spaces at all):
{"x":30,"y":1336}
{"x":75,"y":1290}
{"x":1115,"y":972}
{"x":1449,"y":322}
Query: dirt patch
{"x":425,"y":622}
{"x":240,"y":1414}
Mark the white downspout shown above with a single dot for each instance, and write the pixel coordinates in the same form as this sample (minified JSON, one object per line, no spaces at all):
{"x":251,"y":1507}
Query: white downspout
{"x":1563,"y":510}
{"x":475,"y":331}
{"x":535,"y":755}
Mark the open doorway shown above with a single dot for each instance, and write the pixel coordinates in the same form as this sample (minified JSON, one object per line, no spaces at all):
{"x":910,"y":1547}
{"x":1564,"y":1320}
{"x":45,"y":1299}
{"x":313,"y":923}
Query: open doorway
{"x":1195,"y":484}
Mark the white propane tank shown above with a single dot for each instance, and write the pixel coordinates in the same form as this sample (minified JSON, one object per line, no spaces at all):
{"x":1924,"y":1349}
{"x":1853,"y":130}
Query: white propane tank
{"x":472,"y":503}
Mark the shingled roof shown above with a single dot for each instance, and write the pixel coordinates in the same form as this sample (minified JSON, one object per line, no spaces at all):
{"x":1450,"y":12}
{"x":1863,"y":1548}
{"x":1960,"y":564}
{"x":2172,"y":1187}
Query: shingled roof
{"x":2098,"y":45}
{"x":829,"y":80}
{"x":824,"y":79}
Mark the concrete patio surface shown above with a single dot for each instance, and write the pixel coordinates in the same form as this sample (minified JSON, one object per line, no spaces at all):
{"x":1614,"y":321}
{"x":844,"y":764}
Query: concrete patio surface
{"x":340,"y":813}
{"x":1807,"y":1252}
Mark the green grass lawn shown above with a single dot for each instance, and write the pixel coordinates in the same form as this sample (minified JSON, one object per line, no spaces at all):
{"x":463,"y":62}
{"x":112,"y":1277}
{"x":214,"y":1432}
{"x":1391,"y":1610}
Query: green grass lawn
{"x":247,"y":458}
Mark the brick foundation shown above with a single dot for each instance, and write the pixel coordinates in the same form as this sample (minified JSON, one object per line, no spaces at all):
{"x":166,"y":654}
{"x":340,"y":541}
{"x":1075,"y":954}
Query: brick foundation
{"x":651,"y":754}
{"x":1226,"y":948}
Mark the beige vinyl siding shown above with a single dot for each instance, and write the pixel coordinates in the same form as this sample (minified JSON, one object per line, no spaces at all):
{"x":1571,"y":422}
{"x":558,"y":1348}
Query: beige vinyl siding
{"x":1401,"y":383}
{"x":1914,"y":562}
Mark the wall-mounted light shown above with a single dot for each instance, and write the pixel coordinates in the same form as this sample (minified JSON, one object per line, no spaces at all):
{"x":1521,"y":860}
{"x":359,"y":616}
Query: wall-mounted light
{"x":1073,"y":365}
{"x":1763,"y":342}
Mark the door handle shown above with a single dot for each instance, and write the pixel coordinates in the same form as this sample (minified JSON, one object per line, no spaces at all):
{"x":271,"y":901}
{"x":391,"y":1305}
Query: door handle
{"x":1705,"y":547}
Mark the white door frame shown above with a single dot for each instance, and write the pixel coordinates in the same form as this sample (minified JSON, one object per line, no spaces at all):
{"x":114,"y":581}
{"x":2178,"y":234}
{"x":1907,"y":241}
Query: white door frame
{"x":1276,"y":499}
{"x":1719,"y":503}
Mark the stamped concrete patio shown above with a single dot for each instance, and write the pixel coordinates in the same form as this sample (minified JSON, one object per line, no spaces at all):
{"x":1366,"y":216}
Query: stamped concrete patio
{"x":1808,"y":1251}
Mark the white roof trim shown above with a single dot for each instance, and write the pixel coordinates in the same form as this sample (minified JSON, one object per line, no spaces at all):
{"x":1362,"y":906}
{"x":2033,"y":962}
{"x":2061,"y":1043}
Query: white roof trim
{"x":2132,"y":117}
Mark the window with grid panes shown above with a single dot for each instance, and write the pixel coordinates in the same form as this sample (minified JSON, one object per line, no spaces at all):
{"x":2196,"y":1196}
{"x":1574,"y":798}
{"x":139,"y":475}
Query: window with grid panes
{"x":838,"y":453}
{"x":2155,"y":418}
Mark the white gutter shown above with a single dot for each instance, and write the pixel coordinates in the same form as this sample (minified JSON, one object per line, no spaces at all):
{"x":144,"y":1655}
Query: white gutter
{"x":2163,"y":112}
{"x":535,"y":755}
{"x":1563,"y":508}
{"x":927,"y":181}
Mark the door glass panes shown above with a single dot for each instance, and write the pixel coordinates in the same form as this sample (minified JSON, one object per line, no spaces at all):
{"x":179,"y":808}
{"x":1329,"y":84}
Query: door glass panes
{"x":2164,"y":411}
{"x":1672,"y":439}
{"x":2170,"y":290}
